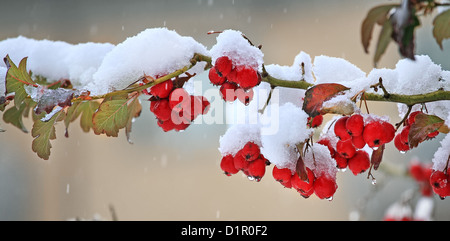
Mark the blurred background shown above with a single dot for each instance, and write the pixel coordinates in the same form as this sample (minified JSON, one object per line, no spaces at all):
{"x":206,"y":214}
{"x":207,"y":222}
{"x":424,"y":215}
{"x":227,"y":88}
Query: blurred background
{"x":176,"y":176}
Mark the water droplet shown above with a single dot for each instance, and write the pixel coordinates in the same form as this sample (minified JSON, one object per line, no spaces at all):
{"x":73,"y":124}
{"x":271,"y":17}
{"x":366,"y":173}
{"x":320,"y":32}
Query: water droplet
{"x":442,"y":198}
{"x":374,"y":181}
{"x":375,"y":148}
{"x":329,"y":198}
{"x":257,"y":179}
{"x":342,"y":169}
{"x":250,"y":178}
{"x":403,"y":152}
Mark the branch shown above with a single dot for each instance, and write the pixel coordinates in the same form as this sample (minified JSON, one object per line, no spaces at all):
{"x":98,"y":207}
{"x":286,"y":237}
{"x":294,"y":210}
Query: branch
{"x":397,"y":98}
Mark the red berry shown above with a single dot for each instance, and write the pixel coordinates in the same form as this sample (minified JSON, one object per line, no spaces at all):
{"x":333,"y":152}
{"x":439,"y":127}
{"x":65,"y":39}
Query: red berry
{"x":440,"y":183}
{"x":399,"y":144}
{"x":433,"y":134}
{"x":417,"y":171}
{"x":162,"y":90}
{"x":389,"y":132}
{"x":355,"y":125}
{"x":161,"y":109}
{"x":373,"y":134}
{"x":196,"y":106}
{"x":404,"y":134}
{"x":412,"y":117}
{"x":305,"y":188}
{"x":247,"y":77}
{"x":244,"y":96}
{"x":240,"y":162}
{"x":340,"y":130}
{"x":282,"y":175}
{"x":215,"y":78}
{"x":223,"y":65}
{"x":257,"y":168}
{"x":250,"y":151}
{"x":227,"y":165}
{"x":358,"y":141}
{"x":179,"y":99}
{"x":359,"y":163}
{"x":325,"y":187}
{"x":227,"y":91}
{"x":341,"y":162}
{"x":345,"y":148}
{"x":205,"y":105}
{"x":167,"y":125}
{"x":316,"y":121}
{"x":232,"y":76}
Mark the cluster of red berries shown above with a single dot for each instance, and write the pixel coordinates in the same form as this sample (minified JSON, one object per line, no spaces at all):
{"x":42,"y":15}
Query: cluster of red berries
{"x":354,"y":134}
{"x":249,"y":160}
{"x":421,"y":173}
{"x":401,"y":140}
{"x":236,"y":82}
{"x":323,"y":186}
{"x":175,"y":108}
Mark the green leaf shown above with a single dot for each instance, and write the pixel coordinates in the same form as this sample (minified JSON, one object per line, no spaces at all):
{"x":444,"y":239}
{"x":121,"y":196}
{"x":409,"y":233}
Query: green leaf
{"x":383,"y":41}
{"x":134,"y":111}
{"x":16,"y":78}
{"x":376,"y":15}
{"x":43,"y":132}
{"x":424,"y":124}
{"x":86,"y":109}
{"x":111,"y":116}
{"x":441,"y":27}
{"x":14,"y":117}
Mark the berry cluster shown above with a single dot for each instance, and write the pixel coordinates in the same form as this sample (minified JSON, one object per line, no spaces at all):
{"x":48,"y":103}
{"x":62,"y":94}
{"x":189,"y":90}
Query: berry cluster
{"x":236,"y":82}
{"x":323,"y":186}
{"x":316,"y":121}
{"x":249,"y":160}
{"x":175,"y":108}
{"x":421,"y":173}
{"x":401,"y":140}
{"x":354,"y":133}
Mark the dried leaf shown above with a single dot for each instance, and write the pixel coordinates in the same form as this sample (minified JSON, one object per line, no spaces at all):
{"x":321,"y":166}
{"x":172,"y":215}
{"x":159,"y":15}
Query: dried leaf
{"x":441,"y":27}
{"x":375,"y":15}
{"x":53,"y":97}
{"x":424,"y":124}
{"x":377,"y":156}
{"x":43,"y":132}
{"x":316,"y":95}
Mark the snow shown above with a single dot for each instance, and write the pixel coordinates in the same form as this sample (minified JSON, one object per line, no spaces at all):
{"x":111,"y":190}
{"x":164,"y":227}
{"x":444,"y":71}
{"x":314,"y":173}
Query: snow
{"x":56,"y":59}
{"x":424,"y":209}
{"x":295,"y":72}
{"x":280,"y":147}
{"x":231,"y":43}
{"x":319,"y":160}
{"x":237,"y":136}
{"x":156,"y":51}
{"x":336,"y":70}
{"x":442,"y":154}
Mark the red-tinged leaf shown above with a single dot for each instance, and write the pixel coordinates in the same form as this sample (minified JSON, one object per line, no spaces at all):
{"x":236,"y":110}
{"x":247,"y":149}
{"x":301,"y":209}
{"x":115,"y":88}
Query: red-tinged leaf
{"x":377,"y":156}
{"x":376,"y":15}
{"x":441,"y":27}
{"x":16,"y":78}
{"x":424,"y":124}
{"x":53,"y":97}
{"x":316,"y":95}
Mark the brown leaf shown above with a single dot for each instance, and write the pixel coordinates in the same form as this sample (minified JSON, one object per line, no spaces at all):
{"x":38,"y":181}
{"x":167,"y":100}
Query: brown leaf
{"x":404,"y":21}
{"x":377,"y":156}
{"x":316,"y":95}
{"x":424,"y":124}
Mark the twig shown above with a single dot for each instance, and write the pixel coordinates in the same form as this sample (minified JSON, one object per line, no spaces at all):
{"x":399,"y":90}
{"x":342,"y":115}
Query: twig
{"x":397,"y":125}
